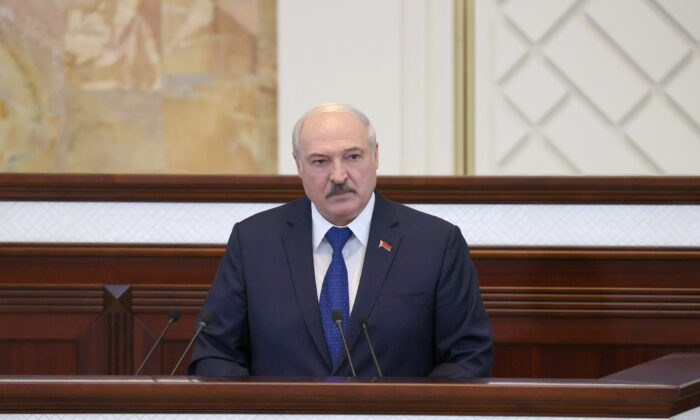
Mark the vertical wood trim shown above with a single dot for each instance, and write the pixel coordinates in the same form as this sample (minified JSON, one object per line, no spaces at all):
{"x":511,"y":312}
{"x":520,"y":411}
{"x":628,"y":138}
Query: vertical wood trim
{"x":464,"y":88}
{"x":118,"y":313}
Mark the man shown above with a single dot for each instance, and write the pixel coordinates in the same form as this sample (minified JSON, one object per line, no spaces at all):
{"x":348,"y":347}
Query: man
{"x":343,"y":247}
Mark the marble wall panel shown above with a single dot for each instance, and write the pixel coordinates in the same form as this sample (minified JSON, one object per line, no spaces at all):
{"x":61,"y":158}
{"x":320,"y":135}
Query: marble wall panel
{"x":219,"y":86}
{"x":113,"y":131}
{"x":31,"y":85}
{"x":112,"y":44}
{"x":138,"y":86}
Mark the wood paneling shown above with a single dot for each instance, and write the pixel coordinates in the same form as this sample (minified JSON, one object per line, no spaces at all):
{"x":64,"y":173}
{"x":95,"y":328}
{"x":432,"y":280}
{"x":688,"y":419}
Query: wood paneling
{"x":556,"y":312}
{"x":578,"y":360}
{"x":51,"y":338}
{"x":407,"y":189}
{"x":50,"y":357}
{"x":67,"y":264}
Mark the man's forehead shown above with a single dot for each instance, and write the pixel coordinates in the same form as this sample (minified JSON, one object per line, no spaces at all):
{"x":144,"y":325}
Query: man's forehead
{"x":332,"y":125}
{"x":325,"y":115}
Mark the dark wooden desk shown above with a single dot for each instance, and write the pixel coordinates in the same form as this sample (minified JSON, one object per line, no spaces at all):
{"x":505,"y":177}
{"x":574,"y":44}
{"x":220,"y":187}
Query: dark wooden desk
{"x":661,"y":388}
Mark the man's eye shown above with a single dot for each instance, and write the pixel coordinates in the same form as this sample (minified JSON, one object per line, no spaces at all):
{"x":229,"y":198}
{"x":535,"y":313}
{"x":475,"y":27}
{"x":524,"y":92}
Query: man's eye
{"x":354,"y":156}
{"x":318,"y":161}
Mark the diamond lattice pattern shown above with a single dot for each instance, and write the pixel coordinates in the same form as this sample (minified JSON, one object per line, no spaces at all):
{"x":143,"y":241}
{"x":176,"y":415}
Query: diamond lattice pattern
{"x":588,"y":87}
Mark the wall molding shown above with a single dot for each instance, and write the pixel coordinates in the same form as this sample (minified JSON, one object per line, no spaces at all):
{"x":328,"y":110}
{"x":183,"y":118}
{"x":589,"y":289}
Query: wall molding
{"x":50,"y":298}
{"x":91,"y":249}
{"x":515,"y":281}
{"x":607,"y":302}
{"x":407,"y":189}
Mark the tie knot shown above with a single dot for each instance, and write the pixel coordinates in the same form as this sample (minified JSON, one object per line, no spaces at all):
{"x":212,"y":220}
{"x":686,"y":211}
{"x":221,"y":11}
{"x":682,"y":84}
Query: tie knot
{"x":338,"y":237}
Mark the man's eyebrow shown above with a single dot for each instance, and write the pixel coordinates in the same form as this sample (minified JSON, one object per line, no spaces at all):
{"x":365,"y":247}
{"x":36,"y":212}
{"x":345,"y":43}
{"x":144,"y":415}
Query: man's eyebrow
{"x":354,"y":149}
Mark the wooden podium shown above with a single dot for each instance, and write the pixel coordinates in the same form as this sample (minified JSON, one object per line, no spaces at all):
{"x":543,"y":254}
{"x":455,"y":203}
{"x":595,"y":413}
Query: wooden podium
{"x":662,"y":388}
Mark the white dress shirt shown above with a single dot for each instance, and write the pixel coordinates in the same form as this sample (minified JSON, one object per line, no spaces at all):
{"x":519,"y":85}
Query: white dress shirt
{"x":353,"y":252}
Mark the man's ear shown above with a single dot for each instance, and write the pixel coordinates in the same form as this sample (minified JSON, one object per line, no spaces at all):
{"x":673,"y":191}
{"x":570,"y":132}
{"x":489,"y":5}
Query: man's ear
{"x":376,"y":155}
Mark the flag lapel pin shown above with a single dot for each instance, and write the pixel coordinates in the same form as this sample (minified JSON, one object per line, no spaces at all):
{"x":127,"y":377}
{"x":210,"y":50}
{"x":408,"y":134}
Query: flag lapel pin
{"x":385,"y":245}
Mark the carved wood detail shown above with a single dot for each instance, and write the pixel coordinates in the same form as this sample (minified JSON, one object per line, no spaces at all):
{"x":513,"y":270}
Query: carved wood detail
{"x":117,"y":312}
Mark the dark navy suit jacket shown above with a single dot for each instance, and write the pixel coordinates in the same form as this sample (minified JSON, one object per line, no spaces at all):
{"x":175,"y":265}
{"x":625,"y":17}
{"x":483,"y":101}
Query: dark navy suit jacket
{"x":425,"y":313}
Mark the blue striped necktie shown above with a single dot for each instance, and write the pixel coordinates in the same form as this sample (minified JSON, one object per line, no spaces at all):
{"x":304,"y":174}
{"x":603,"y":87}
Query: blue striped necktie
{"x":334,"y":292}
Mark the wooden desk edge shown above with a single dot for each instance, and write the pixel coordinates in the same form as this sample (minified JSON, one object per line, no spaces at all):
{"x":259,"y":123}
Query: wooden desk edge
{"x":76,"y":394}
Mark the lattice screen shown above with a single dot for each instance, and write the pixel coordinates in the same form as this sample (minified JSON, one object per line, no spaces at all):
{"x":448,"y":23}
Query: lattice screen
{"x":587,"y":87}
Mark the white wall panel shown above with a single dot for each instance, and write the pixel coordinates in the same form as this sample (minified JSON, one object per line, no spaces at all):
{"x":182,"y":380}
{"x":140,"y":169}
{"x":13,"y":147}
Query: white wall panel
{"x":592,"y":87}
{"x":482,"y":224}
{"x":393,"y":59}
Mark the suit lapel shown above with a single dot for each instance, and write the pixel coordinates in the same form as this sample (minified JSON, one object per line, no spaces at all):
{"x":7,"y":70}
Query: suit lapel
{"x":297,"y":243}
{"x":378,"y":260}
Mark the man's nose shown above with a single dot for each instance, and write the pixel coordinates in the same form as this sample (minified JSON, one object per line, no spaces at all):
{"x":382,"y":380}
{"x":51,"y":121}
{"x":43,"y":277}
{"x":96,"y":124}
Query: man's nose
{"x":338,"y":174}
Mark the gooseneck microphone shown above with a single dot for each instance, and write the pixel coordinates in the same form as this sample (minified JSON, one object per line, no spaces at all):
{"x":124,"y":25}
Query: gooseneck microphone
{"x":174,"y":316}
{"x":363,"y":323}
{"x":203,"y":322}
{"x":337,"y":317}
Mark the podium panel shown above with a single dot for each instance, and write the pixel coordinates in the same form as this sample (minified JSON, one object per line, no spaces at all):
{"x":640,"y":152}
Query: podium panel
{"x":556,"y":313}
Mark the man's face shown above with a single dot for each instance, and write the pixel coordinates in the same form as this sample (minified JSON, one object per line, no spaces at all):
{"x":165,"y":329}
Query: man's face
{"x":336,"y":165}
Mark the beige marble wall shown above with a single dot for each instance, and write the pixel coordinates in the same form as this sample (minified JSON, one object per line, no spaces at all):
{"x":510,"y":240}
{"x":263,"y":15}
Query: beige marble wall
{"x":138,"y":86}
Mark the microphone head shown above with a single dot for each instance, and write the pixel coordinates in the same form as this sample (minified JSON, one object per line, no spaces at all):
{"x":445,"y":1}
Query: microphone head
{"x":336,"y":316}
{"x":206,"y":318}
{"x":174,"y":315}
{"x":362,"y":321}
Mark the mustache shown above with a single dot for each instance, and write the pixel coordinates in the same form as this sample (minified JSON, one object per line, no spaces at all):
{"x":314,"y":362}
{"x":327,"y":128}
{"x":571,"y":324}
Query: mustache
{"x":339,"y":189}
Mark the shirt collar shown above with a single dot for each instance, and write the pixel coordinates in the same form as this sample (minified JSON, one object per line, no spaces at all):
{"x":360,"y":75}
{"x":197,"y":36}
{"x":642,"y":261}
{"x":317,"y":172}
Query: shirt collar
{"x":359,"y":226}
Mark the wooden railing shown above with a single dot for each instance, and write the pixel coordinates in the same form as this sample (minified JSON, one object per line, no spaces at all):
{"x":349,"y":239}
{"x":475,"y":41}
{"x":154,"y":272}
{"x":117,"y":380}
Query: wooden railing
{"x":407,"y":189}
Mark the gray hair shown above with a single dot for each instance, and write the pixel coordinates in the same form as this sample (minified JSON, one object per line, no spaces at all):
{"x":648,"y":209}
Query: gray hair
{"x":335,"y":107}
